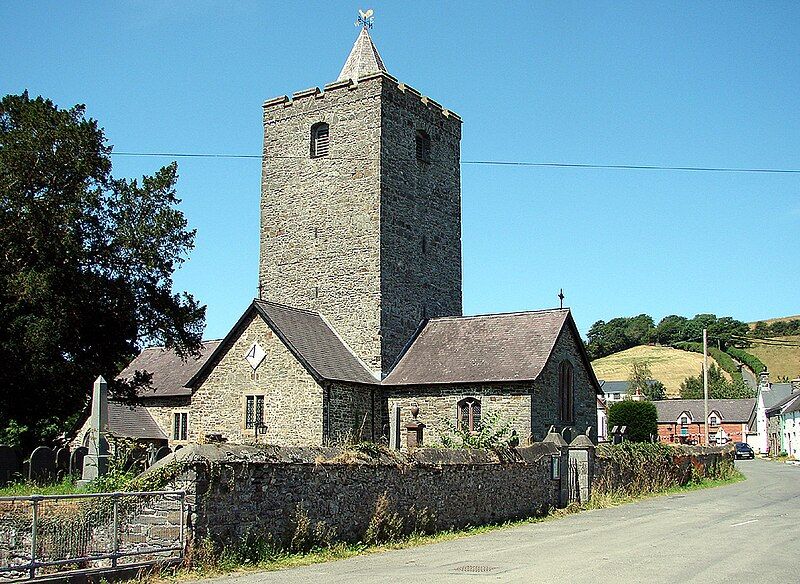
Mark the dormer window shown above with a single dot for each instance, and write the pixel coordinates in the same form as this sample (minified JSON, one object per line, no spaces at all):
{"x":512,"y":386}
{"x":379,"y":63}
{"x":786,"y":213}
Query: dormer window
{"x":423,"y":146}
{"x":684,"y":421}
{"x":320,"y":140}
{"x":713,"y":420}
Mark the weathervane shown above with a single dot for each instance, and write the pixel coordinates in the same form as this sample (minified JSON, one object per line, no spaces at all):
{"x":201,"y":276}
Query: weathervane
{"x":561,"y":297}
{"x":365,"y":19}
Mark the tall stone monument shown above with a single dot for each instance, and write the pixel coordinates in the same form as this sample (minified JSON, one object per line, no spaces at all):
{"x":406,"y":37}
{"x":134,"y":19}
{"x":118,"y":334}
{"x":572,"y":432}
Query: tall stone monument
{"x":95,"y":463}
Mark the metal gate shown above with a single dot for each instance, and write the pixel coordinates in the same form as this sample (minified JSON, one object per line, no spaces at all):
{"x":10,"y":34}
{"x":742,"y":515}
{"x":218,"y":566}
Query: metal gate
{"x":573,"y":482}
{"x":43,"y":535}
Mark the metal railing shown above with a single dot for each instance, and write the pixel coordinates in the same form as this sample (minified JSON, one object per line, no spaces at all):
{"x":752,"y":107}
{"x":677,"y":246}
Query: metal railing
{"x":42,"y":535}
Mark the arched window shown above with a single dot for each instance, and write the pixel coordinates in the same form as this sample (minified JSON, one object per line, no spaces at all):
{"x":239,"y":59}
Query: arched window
{"x":423,"y":146}
{"x":566,"y":391}
{"x":320,"y":139}
{"x":469,"y":414}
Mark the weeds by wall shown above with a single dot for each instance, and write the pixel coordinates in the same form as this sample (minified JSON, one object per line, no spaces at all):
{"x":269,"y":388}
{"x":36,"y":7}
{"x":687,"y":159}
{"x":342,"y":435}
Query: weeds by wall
{"x":635,"y":469}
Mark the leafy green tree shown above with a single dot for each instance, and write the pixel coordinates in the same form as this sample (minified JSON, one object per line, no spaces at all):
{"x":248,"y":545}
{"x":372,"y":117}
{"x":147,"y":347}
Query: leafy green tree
{"x":640,"y":417}
{"x":618,"y":334}
{"x":86,"y":274}
{"x":671,"y":329}
{"x":718,"y":386}
{"x":641,"y":381}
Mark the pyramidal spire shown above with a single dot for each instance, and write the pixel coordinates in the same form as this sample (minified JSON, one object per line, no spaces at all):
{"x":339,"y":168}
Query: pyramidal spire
{"x":363,"y":59}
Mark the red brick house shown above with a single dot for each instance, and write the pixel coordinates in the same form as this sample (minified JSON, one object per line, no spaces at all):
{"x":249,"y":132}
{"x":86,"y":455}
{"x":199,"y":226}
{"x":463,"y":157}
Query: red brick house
{"x":682,"y":420}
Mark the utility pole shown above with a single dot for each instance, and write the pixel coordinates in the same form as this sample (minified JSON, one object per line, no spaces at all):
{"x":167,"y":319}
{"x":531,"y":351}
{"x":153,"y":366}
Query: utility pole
{"x":705,"y":381}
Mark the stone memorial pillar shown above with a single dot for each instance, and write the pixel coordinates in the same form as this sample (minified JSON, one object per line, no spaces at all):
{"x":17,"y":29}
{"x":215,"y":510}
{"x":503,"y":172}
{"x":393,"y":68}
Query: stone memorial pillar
{"x":95,"y":463}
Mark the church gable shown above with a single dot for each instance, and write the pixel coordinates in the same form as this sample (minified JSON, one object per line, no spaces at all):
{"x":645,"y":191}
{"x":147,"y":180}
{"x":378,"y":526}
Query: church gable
{"x":255,"y":390}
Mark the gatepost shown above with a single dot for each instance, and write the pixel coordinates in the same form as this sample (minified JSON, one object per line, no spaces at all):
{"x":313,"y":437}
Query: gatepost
{"x":581,"y":463}
{"x":559,"y":466}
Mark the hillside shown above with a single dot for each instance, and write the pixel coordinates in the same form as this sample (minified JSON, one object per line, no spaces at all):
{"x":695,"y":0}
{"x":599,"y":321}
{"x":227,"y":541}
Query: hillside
{"x":771,"y":320}
{"x":781,"y":361}
{"x":669,"y":366}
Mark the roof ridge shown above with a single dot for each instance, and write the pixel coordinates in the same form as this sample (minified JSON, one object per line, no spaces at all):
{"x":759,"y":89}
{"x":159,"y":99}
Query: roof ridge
{"x":499,"y":314}
{"x":162,"y":347}
{"x":288,"y":307}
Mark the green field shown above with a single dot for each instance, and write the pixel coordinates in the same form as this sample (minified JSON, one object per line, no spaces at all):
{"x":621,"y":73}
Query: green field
{"x":669,"y":366}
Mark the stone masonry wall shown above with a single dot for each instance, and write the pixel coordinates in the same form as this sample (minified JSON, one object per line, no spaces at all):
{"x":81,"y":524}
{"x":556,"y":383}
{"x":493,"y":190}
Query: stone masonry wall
{"x":532,"y":407}
{"x":352,"y":413}
{"x":239,"y":490}
{"x":420,"y":217}
{"x":369,"y":236}
{"x":320,"y":238}
{"x":292,"y":399}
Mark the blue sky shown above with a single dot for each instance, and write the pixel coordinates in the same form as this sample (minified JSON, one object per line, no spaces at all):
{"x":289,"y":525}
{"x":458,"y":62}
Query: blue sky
{"x":667,"y":83}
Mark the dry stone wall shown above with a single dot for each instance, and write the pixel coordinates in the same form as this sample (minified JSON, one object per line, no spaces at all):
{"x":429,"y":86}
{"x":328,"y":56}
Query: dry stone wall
{"x":239,"y":490}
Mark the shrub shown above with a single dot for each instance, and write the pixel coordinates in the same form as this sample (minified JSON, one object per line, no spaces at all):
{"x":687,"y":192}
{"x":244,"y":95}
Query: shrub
{"x":636,"y":469}
{"x":495,"y":433}
{"x":639,"y":416}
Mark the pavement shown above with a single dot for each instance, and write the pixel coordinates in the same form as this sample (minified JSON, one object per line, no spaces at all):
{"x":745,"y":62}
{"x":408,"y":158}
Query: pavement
{"x":744,"y":532}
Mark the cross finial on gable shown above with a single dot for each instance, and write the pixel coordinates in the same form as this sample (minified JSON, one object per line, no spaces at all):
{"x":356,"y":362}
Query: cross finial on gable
{"x":561,"y":297}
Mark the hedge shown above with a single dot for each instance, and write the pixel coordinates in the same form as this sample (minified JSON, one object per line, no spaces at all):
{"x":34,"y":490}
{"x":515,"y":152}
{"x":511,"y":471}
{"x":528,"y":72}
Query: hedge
{"x":748,"y":359}
{"x":721,"y":357}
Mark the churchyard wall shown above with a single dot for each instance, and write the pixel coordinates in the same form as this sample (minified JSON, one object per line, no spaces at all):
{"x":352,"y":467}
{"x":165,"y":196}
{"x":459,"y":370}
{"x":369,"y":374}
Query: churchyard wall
{"x":238,"y":490}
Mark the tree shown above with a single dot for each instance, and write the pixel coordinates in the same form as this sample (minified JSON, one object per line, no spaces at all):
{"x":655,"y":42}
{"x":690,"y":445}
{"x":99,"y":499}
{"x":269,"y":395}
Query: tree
{"x":87,"y":265}
{"x":618,"y":334}
{"x":671,"y":329}
{"x":641,"y":381}
{"x":640,"y":417}
{"x":718,"y":386}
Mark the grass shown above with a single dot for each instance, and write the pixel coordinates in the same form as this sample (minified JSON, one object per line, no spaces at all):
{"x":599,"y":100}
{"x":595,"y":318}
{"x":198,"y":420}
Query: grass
{"x":669,"y":366}
{"x":22,"y":489}
{"x":771,"y":320}
{"x":781,"y":361}
{"x":284,"y":560}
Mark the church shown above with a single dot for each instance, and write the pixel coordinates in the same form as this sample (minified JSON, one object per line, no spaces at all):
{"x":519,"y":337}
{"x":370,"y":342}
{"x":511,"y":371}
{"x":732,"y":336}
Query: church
{"x":358,"y":328}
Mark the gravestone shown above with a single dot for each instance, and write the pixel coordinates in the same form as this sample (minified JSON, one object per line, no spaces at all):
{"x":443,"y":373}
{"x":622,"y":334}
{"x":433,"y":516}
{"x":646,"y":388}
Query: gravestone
{"x":62,"y":460}
{"x":161,"y":453}
{"x":95,"y":464}
{"x":42,"y":464}
{"x":76,"y":460}
{"x":9,"y":464}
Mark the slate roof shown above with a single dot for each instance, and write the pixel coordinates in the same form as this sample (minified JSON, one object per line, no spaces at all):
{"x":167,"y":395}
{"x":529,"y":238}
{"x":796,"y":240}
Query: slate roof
{"x":310,"y":338}
{"x":169,"y":372}
{"x":315,"y":342}
{"x":362,"y":60}
{"x":479,"y":349}
{"x":784,"y":405}
{"x":777,"y":393}
{"x":618,"y":386}
{"x":132,"y":422}
{"x":731,"y":410}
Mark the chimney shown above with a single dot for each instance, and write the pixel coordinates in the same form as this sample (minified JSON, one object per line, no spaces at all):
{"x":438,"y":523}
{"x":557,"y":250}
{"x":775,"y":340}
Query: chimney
{"x":796,"y":385}
{"x":763,"y":379}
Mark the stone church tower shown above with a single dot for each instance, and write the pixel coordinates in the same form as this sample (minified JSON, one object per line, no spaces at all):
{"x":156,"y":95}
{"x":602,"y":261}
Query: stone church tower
{"x":361,"y":206}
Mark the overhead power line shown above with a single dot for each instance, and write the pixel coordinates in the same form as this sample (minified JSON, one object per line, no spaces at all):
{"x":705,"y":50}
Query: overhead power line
{"x":489,"y":163}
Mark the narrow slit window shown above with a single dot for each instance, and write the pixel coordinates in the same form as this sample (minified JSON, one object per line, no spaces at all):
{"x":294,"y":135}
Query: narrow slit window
{"x":566,"y":392}
{"x":423,"y":146}
{"x":320,"y":140}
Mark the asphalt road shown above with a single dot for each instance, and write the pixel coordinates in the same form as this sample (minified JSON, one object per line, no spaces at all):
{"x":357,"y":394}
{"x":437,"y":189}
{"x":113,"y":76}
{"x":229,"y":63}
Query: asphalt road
{"x":746,"y":532}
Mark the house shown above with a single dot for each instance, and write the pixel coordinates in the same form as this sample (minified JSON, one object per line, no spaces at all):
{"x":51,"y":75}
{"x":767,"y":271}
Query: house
{"x":783,"y":421}
{"x":768,"y":395}
{"x":358,"y":328}
{"x":614,"y":391}
{"x":683,"y":420}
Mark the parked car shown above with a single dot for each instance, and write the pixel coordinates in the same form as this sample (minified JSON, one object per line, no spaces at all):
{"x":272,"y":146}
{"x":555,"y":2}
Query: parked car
{"x":743,"y":450}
